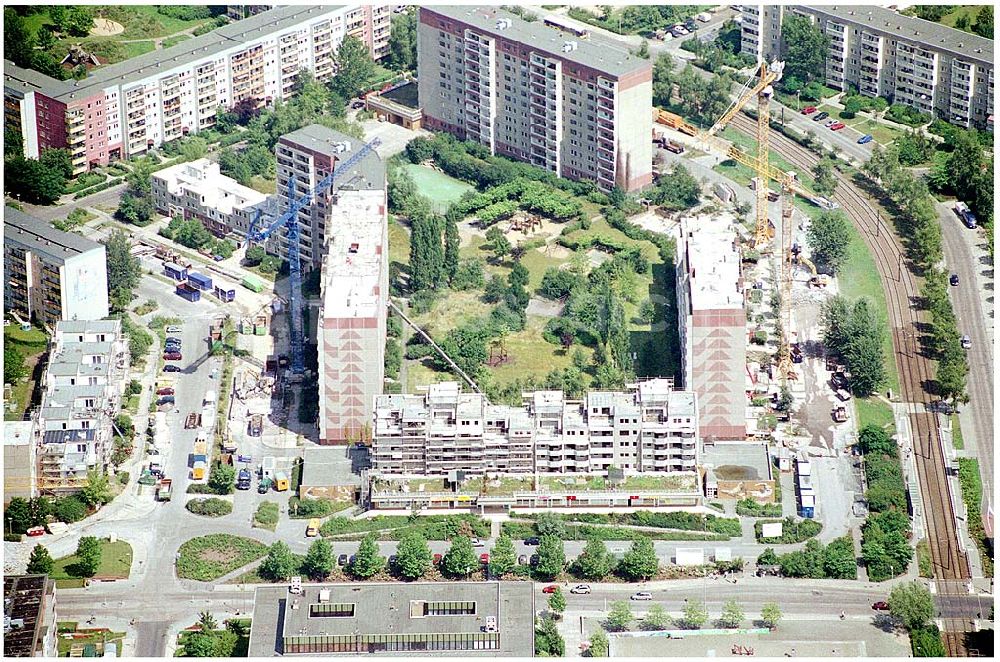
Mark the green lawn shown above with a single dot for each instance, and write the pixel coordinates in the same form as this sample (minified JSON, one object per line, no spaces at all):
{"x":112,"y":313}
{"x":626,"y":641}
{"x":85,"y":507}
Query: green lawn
{"x":532,"y":355}
{"x":750,"y":145}
{"x":962,"y":10}
{"x":956,"y":433}
{"x":872,"y":411}
{"x":440,"y":189}
{"x":262,"y":185}
{"x":31,"y":344}
{"x":97,"y":637}
{"x":143,"y":21}
{"x":173,"y":41}
{"x":880,"y":132}
{"x":137,"y":48}
{"x":116,"y":563}
{"x":399,"y":242}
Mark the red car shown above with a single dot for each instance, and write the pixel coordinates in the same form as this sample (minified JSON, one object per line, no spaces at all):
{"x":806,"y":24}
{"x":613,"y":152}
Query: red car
{"x":881,"y":605}
{"x":551,"y":588}
{"x":36,"y":531}
{"x":165,"y":391}
{"x":837,"y":126}
{"x":484,"y":558}
{"x":809,"y":110}
{"x":172,"y":356}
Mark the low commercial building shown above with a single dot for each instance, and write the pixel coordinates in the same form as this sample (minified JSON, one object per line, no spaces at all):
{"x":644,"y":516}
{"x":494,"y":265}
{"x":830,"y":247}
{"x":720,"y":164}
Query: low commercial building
{"x":51,"y":275}
{"x":198,"y":190}
{"x":88,"y":368}
{"x":459,"y":619}
{"x":19,"y":460}
{"x":712,"y":324}
{"x":29,"y":614}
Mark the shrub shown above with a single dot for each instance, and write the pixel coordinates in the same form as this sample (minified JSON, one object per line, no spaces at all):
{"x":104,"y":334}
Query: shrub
{"x":211,"y":507}
{"x":750,"y":508}
{"x":209,"y":557}
{"x":792,"y":531}
{"x":69,"y":509}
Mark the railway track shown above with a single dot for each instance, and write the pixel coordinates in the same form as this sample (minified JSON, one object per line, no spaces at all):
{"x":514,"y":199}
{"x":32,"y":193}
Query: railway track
{"x":951,"y":568}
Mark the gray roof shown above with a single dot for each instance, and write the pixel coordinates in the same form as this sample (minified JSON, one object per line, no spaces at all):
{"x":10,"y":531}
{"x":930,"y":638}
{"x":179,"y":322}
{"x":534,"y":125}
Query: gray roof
{"x":192,"y":50}
{"x":88,"y":326}
{"x":39,"y":237}
{"x":385,"y":609}
{"x":598,"y":52}
{"x":367,"y":173}
{"x":68,"y":436}
{"x":933,"y":35}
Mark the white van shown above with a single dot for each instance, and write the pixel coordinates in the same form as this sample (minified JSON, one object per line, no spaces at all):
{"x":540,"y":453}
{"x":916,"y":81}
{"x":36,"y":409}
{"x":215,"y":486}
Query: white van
{"x":209,"y":398}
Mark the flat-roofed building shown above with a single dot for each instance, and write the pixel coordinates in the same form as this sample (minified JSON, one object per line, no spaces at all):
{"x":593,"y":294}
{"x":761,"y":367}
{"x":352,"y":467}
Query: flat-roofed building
{"x":712,"y":322}
{"x":942,"y":71}
{"x":51,"y":275}
{"x":29,"y":610}
{"x":458,"y":619}
{"x":535,"y":91}
{"x":19,"y":460}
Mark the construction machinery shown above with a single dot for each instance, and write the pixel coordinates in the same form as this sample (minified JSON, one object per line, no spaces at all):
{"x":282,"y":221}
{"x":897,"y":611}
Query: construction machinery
{"x":289,"y":220}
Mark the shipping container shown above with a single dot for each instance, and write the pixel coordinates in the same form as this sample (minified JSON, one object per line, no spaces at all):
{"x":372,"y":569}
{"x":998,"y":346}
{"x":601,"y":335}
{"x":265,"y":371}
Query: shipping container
{"x":252,"y":284}
{"x":198,"y":471}
{"x":281,"y":481}
{"x":175,"y":271}
{"x":188,"y":292}
{"x":199,"y":281}
{"x":225,"y":292}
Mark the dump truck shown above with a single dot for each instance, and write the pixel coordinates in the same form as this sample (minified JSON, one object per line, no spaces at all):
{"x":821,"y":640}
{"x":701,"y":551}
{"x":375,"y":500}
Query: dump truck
{"x":256,"y":425}
{"x":163,"y":491}
{"x":192,"y":421}
{"x":243,"y":479}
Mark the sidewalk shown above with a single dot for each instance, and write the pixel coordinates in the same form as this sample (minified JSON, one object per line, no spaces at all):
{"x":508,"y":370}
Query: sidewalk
{"x":966,"y":543}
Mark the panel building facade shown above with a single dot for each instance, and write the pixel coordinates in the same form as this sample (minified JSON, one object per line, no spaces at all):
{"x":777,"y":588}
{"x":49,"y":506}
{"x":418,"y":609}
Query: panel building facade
{"x":569,"y":102}
{"x":922,"y":64}
{"x":51,"y":275}
{"x":128,"y":108}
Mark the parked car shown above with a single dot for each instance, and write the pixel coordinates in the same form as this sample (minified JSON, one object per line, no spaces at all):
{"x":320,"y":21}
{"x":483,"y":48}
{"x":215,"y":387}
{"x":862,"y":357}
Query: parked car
{"x":172,"y":368}
{"x":166,"y":390}
{"x":966,"y":342}
{"x":165,"y":400}
{"x":830,"y":122}
{"x":580,"y":589}
{"x":173,"y":328}
{"x":172,"y":339}
{"x":342,"y":560}
{"x":881,"y":605}
{"x":484,"y":558}
{"x":476,"y":542}
{"x":865,"y":139}
{"x":837,"y":126}
{"x":809,"y":110}
{"x":965,"y":215}
{"x":35,"y":531}
{"x":522,"y":559}
{"x":172,"y":356}
{"x":551,"y":588}
{"x":358,"y":104}
{"x":641,"y":595}
{"x":954,"y":280}
{"x":822,"y":116}
{"x":533,"y":540}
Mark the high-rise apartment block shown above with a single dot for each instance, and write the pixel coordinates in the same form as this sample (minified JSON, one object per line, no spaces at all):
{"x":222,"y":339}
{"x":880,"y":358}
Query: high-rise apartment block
{"x":922,"y":64}
{"x":712,"y":322}
{"x":565,"y":100}
{"x":128,"y":108}
{"x":51,"y":275}
{"x":650,"y":428}
{"x":88,"y":365}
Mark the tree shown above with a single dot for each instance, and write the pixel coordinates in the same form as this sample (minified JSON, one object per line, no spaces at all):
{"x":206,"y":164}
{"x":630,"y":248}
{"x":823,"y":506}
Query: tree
{"x":663,"y":79}
{"x":695,"y":615}
{"x":254,"y":255}
{"x":503,"y":558}
{"x":498,"y":243}
{"x":732,"y":615}
{"x":770,"y":615}
{"x":656,"y":618}
{"x":677,"y":190}
{"x":557,"y":602}
{"x":40,"y":562}
{"x":619,"y":617}
{"x":829,"y":236}
{"x":18,"y":38}
{"x":452,"y":242}
{"x":22,"y":514}
{"x":318,"y":563}
{"x":551,"y":556}
{"x":88,"y":554}
{"x":426,"y":252}
{"x":367,"y":562}
{"x":804,"y":47}
{"x":124,"y":270}
{"x":29,"y":180}
{"x":199,"y":644}
{"x":97,"y":491}
{"x":57,"y":160}
{"x":279,"y":564}
{"x":221,"y":479}
{"x":599,"y":645}
{"x":403,"y":42}
{"x":14,"y":369}
{"x":548,"y":641}
{"x":206,"y":621}
{"x":460,"y":559}
{"x":354,"y":66}
{"x":594,"y":562}
{"x":640,"y":562}
{"x":413,"y":555}
{"x":824,"y":180}
{"x":911,"y":603}
{"x":984,"y":22}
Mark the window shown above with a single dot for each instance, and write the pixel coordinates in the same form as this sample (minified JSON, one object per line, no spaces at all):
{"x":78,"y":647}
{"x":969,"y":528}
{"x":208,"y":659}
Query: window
{"x":331,"y":610}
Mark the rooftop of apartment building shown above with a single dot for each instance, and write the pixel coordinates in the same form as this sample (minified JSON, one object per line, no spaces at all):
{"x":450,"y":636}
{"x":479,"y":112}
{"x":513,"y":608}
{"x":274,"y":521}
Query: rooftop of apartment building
{"x":394,"y":609}
{"x":191,"y":50}
{"x":507,"y":484}
{"x":933,"y":35}
{"x":67,"y":327}
{"x":17,"y":433}
{"x":352,"y":269}
{"x":41,"y":238}
{"x":595,"y":51}
{"x":713,"y":261}
{"x":366,"y":174}
{"x":68,"y":362}
{"x":217,"y":191}
{"x":24,"y":598}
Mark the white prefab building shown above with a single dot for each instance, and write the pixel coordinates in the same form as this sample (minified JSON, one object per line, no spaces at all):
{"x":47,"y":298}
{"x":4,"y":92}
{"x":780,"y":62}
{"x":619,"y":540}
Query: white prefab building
{"x":690,"y":556}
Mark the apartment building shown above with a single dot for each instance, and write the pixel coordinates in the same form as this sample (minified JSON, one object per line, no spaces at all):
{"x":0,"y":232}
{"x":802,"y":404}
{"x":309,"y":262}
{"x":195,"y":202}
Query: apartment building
{"x":199,"y":190}
{"x":128,"y":108}
{"x":712,"y":321}
{"x":649,"y":428}
{"x":88,"y":366}
{"x":19,"y":460}
{"x":51,"y":275}
{"x":29,"y":610}
{"x":938,"y":70}
{"x":573,"y":103}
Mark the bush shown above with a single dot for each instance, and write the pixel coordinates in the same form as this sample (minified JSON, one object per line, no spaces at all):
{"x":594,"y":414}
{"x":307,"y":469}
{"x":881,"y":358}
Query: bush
{"x":211,"y":507}
{"x":267,"y":515}
{"x":792,"y":531}
{"x":209,"y":557}
{"x":308,"y":508}
{"x":750,"y":508}
{"x":69,"y":509}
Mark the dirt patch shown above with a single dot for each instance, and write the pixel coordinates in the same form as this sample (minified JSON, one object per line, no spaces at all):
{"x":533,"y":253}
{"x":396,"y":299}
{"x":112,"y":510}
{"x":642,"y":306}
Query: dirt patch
{"x":558,"y":251}
{"x":218,"y":555}
{"x":597,"y":257}
{"x":734,"y":472}
{"x":106,"y":28}
{"x":544,"y":307}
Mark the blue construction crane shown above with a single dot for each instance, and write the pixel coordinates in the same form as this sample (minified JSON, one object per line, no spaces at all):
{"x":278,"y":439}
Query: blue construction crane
{"x":290,"y":221}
